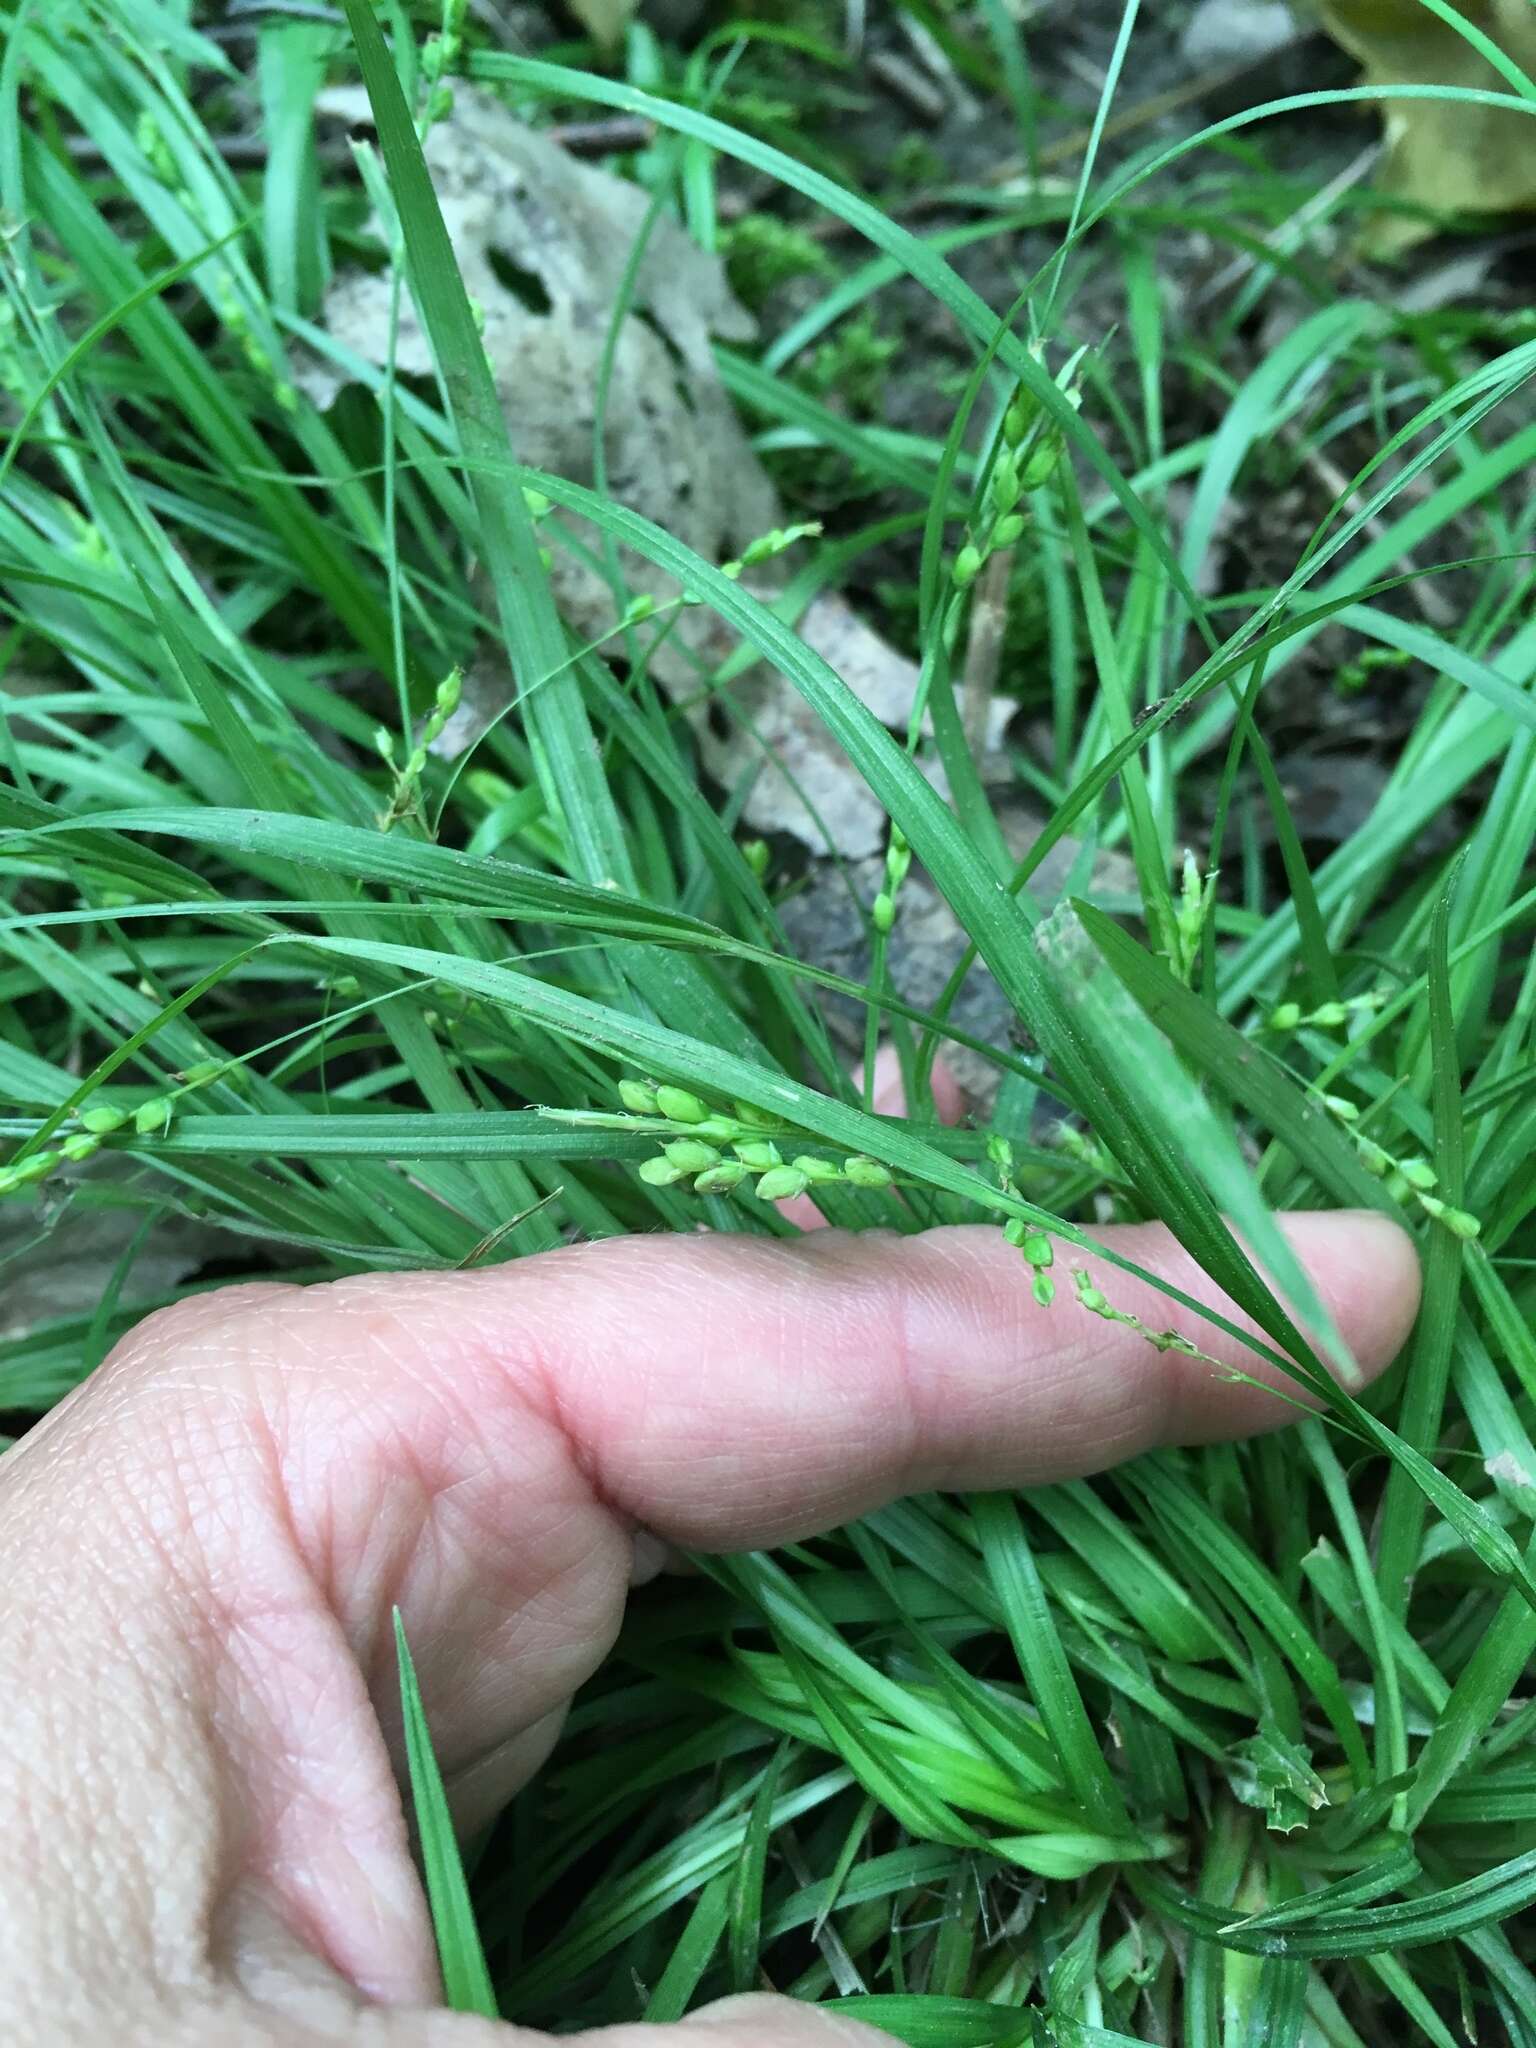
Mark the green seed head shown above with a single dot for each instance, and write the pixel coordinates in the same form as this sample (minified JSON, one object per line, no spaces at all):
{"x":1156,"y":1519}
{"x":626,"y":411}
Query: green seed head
{"x":759,"y":1119}
{"x":659,"y":1172}
{"x":1043,"y":1288}
{"x":1016,"y":1230}
{"x":691,"y":1155}
{"x":80,"y":1145}
{"x":759,"y":1154}
{"x":1418,"y":1173}
{"x":1342,"y":1107}
{"x":883,"y":913}
{"x":816,"y":1169}
{"x":102,"y":1118}
{"x":1039,"y":465}
{"x":1329,"y":1016}
{"x":718,"y":1130}
{"x":1089,"y":1296}
{"x":867,"y":1173}
{"x":638,"y":1096}
{"x":679,"y":1105}
{"x":755,"y":853}
{"x":1462,"y":1223}
{"x":1373,"y":1158}
{"x":1005,"y":482}
{"x":1007,"y":529}
{"x":154,"y":1115}
{"x":203,"y":1072}
{"x":781,"y":1183}
{"x":37,"y":1167}
{"x":1000,"y":1154}
{"x":719,"y":1180}
{"x":1023,"y":411}
{"x":1286,"y":1018}
{"x":967,"y":566}
{"x":1038,"y":1250}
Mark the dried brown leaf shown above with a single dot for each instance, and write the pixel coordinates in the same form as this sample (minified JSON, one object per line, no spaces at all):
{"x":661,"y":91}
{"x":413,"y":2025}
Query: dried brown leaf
{"x":1444,"y":155}
{"x":543,"y":241}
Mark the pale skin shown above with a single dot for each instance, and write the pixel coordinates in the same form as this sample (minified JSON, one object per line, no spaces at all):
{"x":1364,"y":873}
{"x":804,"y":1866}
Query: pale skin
{"x":203,"y":1840}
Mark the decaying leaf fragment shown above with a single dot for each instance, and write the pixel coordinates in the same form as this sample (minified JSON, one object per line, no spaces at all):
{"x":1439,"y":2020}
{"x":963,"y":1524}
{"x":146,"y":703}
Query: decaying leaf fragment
{"x":1444,"y":155}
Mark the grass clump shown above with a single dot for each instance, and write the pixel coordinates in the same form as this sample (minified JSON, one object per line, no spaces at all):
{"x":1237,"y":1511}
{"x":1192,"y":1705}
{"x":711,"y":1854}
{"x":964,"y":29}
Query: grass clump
{"x":1229,"y":1746}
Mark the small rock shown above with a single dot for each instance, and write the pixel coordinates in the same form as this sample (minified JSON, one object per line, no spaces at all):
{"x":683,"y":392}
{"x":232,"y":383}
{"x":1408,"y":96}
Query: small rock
{"x":1224,"y":32}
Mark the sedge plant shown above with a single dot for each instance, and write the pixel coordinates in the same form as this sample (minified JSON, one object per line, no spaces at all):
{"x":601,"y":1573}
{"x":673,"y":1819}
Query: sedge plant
{"x":1228,"y":1746}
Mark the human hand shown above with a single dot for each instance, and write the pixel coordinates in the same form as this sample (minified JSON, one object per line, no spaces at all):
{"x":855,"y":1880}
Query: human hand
{"x":203,"y":1841}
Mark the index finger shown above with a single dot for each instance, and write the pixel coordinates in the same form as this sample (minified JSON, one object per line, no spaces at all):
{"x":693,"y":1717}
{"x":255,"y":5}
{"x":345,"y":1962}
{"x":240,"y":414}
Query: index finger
{"x":731,"y":1392}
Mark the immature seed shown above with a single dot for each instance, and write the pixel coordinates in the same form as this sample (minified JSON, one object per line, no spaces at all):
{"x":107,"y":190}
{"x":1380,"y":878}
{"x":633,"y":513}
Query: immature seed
{"x":717,"y":1129}
{"x":782,"y":1182}
{"x":759,"y":1154}
{"x":679,"y":1105}
{"x":659,"y":1172}
{"x":816,"y":1169}
{"x":759,"y":1119}
{"x":36,"y":1167}
{"x":1089,"y":1296}
{"x":102,"y":1119}
{"x":691,"y":1155}
{"x":638,"y":1096}
{"x":719,"y":1180}
{"x":867,"y":1173}
{"x":154,"y":1115}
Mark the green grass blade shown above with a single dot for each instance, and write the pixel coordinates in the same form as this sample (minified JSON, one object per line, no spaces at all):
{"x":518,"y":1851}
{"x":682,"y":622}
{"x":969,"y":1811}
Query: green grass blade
{"x":466,"y":1981}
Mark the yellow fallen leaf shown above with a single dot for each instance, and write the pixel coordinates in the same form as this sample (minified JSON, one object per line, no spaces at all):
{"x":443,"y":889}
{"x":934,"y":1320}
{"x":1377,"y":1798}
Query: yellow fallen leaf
{"x":1444,"y":155}
{"x":604,"y":20}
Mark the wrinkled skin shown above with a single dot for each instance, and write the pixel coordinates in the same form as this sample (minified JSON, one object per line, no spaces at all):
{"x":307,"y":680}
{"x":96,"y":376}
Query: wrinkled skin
{"x":204,"y":1840}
